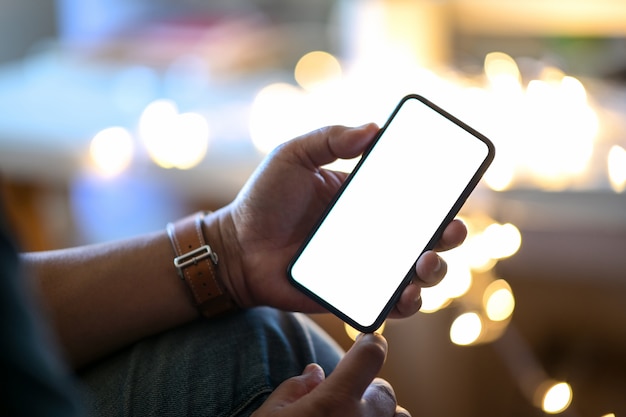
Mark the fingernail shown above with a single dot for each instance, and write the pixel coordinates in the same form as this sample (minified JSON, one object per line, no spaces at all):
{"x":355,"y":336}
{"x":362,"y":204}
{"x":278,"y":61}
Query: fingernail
{"x":418,"y":299}
{"x":369,"y":127}
{"x":438,"y":266}
{"x":313,"y":369}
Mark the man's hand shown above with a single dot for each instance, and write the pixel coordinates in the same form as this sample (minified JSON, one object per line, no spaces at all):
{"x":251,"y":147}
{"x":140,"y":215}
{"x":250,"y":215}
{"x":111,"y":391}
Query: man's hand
{"x":351,"y":390}
{"x":262,"y":229}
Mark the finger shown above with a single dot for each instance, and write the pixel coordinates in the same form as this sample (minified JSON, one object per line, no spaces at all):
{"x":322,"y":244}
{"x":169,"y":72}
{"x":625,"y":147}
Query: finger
{"x":402,"y":412}
{"x":453,"y":235}
{"x":379,"y":399}
{"x":430,"y":269}
{"x":314,"y":375}
{"x":327,"y":144}
{"x":409,"y":303}
{"x":359,"y":366}
{"x":295,"y":388}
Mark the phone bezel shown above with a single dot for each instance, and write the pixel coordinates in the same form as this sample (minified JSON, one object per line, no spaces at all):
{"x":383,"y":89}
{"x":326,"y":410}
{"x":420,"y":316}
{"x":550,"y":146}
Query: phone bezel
{"x":454,"y":210}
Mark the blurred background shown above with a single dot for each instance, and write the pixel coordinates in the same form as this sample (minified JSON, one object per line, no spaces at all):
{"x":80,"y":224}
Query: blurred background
{"x":118,"y":116}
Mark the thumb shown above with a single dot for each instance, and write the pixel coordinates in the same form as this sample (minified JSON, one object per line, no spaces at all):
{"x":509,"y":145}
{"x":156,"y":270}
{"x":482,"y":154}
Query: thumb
{"x":327,"y":144}
{"x":296,"y":387}
{"x":312,"y":376}
{"x":359,"y":366}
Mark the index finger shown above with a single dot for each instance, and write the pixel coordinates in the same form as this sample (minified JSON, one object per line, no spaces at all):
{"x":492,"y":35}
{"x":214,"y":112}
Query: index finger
{"x":358,"y":368}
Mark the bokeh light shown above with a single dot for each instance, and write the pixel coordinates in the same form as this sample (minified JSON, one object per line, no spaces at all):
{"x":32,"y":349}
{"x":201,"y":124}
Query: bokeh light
{"x":276,"y":116}
{"x":459,"y":275}
{"x":173,"y":140}
{"x":503,"y":73}
{"x":544,"y":129}
{"x":558,"y":145}
{"x":500,"y":175}
{"x":617,"y":168}
{"x":111,"y":151}
{"x":498,"y":300}
{"x":434,"y":299}
{"x":479,"y":258}
{"x":466,"y":329}
{"x":487,"y":242}
{"x":557,"y":398}
{"x":502,"y":240}
{"x":317,"y":69}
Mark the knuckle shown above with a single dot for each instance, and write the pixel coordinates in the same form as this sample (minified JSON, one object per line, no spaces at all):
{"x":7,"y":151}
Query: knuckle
{"x":380,"y":396}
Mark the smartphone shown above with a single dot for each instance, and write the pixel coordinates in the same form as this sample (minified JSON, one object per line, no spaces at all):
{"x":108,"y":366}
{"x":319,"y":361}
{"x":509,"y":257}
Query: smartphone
{"x":394,"y":205}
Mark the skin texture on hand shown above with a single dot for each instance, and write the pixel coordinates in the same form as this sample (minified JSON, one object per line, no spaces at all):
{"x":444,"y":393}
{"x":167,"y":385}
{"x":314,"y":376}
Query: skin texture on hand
{"x":352,"y":390}
{"x":263,"y":228}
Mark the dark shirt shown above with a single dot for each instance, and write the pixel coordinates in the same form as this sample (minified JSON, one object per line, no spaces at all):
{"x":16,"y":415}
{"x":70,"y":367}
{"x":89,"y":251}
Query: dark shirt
{"x":35,"y":382}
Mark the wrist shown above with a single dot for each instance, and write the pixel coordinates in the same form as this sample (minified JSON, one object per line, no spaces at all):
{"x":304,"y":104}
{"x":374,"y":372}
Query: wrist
{"x":220,"y":229}
{"x":198,"y":265}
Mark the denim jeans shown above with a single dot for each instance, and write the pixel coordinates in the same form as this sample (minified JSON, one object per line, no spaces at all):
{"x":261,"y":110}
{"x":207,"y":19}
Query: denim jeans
{"x":222,"y":367}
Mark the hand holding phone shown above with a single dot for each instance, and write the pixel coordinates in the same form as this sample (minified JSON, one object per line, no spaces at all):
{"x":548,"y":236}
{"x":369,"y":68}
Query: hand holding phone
{"x":393,"y":207}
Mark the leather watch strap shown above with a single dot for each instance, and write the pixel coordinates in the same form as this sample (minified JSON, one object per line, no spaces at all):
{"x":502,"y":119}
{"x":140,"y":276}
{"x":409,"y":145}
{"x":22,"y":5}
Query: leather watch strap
{"x":197,"y":265}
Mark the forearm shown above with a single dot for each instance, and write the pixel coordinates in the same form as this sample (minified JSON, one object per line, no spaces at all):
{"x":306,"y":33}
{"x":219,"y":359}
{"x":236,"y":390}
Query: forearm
{"x":103,"y":297}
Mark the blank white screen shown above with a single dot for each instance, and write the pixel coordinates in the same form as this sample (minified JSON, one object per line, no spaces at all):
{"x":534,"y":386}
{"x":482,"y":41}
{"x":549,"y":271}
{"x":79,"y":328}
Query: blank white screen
{"x":389,"y":212}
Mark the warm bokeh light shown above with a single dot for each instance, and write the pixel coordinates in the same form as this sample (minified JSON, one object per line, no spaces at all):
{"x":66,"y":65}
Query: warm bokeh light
{"x":617,"y":168}
{"x":111,"y":150}
{"x":479,"y":258}
{"x":317,"y":68}
{"x":486,"y":243}
{"x":502,"y":240}
{"x":503,"y":73}
{"x":354,"y":333}
{"x":609,"y":415}
{"x":276,"y":116}
{"x":559,"y":141}
{"x":557,"y":398}
{"x":459,"y":276}
{"x":573,"y":90}
{"x":434,"y":299}
{"x":173,"y":140}
{"x":466,"y":329}
{"x":551,"y":74}
{"x":500,"y":175}
{"x":498,"y":300}
{"x":544,"y":129}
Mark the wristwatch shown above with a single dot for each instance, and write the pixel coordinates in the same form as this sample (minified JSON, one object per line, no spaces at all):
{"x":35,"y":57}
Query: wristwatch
{"x":197,"y":265}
